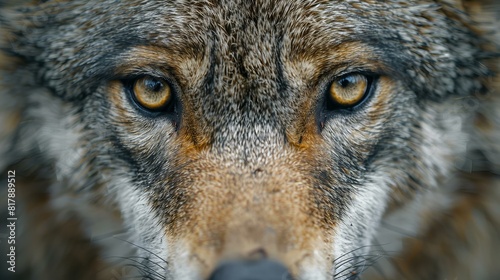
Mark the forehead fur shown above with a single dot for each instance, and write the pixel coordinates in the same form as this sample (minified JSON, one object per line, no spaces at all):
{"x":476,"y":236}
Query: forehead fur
{"x":434,"y":38}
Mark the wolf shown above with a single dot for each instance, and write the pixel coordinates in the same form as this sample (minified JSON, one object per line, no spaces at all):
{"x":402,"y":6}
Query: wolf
{"x":266,"y":139}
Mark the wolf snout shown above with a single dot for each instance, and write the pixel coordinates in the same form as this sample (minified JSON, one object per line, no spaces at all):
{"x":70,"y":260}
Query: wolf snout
{"x":251,"y":270}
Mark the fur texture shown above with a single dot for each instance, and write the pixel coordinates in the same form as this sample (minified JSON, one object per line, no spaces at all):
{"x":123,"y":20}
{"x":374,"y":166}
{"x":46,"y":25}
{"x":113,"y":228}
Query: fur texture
{"x":251,"y":163}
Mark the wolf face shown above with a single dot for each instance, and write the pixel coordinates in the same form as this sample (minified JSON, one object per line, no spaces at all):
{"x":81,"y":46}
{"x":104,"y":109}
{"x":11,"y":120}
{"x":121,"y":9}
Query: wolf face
{"x":279,"y":132}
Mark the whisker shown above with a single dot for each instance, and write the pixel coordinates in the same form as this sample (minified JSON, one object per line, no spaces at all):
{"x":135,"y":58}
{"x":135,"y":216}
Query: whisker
{"x":146,"y":274}
{"x":138,"y":246}
{"x":136,"y":257}
{"x":356,"y":256}
{"x":142,"y":268}
{"x":149,"y":269}
{"x":354,"y":250}
{"x":365,"y":262}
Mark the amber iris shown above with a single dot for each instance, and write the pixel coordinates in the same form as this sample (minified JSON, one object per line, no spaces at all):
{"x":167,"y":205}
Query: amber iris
{"x":152,"y":93}
{"x":349,"y":90}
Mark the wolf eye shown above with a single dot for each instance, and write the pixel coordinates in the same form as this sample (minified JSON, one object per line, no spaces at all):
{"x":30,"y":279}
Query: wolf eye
{"x":152,"y":93}
{"x":348,"y":91}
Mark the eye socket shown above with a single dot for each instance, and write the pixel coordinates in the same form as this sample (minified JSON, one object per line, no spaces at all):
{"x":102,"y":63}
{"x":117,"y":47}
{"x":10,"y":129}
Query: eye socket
{"x":348,"y":91}
{"x":152,"y":93}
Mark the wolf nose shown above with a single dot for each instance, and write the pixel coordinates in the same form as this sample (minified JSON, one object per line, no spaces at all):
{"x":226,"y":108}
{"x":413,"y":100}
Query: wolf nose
{"x":251,"y":270}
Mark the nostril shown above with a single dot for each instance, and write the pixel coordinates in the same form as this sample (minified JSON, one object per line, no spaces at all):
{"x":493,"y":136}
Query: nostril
{"x":251,"y":270}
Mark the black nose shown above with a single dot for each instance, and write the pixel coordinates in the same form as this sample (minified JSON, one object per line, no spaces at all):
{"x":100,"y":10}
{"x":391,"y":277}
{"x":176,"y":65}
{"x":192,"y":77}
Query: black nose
{"x":251,"y":270}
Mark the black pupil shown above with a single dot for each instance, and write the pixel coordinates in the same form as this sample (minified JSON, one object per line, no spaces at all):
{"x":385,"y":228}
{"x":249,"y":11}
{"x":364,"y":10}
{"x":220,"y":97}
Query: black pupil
{"x":347,"y":81}
{"x":153,"y":85}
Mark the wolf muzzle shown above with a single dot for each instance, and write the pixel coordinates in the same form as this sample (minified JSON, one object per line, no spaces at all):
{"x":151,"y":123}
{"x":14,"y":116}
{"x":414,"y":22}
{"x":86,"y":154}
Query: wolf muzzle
{"x":251,"y":270}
